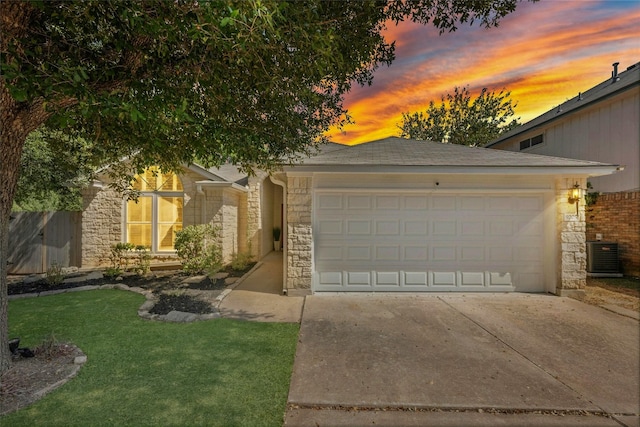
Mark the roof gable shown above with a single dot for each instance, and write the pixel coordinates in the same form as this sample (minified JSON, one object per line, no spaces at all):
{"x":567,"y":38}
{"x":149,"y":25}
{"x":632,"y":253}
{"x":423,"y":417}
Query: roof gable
{"x":625,"y":81}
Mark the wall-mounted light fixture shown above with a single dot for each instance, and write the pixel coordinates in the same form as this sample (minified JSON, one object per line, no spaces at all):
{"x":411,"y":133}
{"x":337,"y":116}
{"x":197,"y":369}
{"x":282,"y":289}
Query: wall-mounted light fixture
{"x":575,"y":194}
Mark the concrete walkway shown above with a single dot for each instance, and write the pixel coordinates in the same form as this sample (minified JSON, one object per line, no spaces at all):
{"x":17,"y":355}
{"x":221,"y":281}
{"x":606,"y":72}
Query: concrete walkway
{"x":457,"y":360}
{"x":259,"y":296}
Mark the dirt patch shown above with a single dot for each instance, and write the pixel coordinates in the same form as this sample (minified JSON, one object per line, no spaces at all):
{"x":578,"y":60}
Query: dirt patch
{"x":29,"y":379}
{"x":622,"y":292}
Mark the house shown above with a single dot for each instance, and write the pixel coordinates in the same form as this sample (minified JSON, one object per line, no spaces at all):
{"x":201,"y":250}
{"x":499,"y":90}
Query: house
{"x":388,"y":215}
{"x":601,"y":124}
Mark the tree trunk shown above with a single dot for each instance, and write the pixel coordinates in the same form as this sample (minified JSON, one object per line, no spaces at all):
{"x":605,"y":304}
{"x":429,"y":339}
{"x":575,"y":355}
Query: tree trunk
{"x":17,"y":120}
{"x":10,"y":151}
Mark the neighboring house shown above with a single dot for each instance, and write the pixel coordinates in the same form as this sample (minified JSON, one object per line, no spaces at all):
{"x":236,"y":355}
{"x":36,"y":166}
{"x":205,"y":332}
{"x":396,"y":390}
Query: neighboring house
{"x":601,"y":124}
{"x":389,"y":215}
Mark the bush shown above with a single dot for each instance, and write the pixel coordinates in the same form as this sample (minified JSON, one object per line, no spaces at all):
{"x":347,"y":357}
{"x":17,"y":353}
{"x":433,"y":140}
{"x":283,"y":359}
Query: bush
{"x":198,"y":248}
{"x":54,"y":274}
{"x":241,"y":261}
{"x":143,"y":260}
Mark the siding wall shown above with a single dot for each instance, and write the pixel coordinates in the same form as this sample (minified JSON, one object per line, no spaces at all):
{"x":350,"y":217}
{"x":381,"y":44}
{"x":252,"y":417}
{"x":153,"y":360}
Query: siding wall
{"x":608,"y":132}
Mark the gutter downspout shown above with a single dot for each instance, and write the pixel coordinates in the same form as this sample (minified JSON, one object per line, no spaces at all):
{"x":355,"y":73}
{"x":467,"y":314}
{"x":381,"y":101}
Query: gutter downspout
{"x":285,"y":234}
{"x":203,"y":206}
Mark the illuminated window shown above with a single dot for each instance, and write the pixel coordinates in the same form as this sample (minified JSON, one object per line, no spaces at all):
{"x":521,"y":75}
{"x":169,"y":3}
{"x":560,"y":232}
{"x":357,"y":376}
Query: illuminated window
{"x":156,"y":216}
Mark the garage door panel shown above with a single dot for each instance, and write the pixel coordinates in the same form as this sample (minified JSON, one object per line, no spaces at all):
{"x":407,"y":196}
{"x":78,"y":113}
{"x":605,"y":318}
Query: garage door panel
{"x":331,"y":227}
{"x":415,"y":203}
{"x":386,"y":242}
{"x":442,"y":228}
{"x":358,"y":253}
{"x":416,"y":228}
{"x":383,"y":203}
{"x":443,"y":203}
{"x":330,"y":201}
{"x":388,"y":228}
{"x":358,"y":202}
{"x":388,"y":278}
{"x":358,"y":227}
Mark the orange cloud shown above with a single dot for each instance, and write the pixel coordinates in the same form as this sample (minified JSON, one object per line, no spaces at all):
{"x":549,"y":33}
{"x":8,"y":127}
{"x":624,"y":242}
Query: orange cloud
{"x":544,"y":54}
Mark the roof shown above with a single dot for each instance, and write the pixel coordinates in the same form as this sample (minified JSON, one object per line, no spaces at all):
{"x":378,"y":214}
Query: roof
{"x":408,"y":155}
{"x":608,"y":88}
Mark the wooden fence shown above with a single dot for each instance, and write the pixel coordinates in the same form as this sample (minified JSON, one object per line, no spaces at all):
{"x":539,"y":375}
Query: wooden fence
{"x":39,"y":239}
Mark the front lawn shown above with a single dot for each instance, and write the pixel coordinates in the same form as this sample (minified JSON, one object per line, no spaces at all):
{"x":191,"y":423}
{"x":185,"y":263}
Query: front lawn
{"x":139,"y":372}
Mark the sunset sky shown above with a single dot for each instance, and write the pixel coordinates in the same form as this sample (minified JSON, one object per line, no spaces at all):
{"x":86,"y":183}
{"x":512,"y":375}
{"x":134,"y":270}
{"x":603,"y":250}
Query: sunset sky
{"x":544,"y":53}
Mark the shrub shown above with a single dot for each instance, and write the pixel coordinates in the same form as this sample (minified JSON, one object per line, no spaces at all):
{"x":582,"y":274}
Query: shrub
{"x":143,"y":260}
{"x":198,"y":248}
{"x":119,"y":259}
{"x":54,"y":274}
{"x":240,"y":261}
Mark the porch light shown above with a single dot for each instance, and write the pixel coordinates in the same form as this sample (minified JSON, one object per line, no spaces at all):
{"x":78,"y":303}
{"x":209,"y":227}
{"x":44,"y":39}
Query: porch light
{"x":575,"y":194}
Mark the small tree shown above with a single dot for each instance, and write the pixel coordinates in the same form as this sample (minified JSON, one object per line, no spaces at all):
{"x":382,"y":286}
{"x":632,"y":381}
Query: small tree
{"x":198,"y":248}
{"x":460,"y":120}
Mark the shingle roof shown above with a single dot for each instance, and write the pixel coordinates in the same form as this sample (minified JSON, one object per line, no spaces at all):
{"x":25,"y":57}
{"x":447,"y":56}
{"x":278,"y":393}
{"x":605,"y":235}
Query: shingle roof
{"x":408,"y":152}
{"x":626,"y":80}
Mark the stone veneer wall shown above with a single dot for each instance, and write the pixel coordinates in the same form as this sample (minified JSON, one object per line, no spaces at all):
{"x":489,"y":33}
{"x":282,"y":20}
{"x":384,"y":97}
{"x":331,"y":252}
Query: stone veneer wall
{"x":101,"y":224}
{"x":572,"y":274}
{"x":254,"y":215}
{"x":617,"y":217}
{"x":299,"y":232}
{"x":103,"y":219}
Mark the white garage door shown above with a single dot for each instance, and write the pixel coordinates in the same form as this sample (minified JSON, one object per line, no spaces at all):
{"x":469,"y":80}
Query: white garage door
{"x":368,"y":241}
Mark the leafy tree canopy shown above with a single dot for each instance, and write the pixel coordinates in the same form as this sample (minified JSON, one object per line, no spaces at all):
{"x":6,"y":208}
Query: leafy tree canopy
{"x":52,"y":170}
{"x":165,"y":82}
{"x":459,"y":119}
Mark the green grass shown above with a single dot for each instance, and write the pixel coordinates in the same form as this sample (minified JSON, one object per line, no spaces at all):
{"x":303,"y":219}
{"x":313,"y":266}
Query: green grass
{"x":215,"y":373}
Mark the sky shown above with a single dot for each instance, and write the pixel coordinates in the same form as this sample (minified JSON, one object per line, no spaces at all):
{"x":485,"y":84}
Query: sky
{"x":544,"y":53}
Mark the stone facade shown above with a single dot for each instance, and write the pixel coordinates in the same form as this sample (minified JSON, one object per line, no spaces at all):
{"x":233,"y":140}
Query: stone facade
{"x":299,"y":232}
{"x":104,"y":218}
{"x":572,"y":262}
{"x":102,"y":221}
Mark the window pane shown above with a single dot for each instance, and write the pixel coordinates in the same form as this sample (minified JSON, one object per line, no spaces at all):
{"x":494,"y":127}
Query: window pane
{"x":167,"y":236}
{"x":536,"y":140}
{"x":170,"y":182}
{"x":139,"y":234}
{"x":140,"y":211}
{"x":170,"y":209}
{"x":169,"y":221}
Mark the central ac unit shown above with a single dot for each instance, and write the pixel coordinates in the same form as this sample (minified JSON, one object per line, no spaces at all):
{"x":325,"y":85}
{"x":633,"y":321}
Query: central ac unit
{"x":602,"y":258}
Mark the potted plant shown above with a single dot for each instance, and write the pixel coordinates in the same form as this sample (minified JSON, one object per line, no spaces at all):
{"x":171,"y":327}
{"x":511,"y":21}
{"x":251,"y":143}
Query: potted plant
{"x":276,"y":238}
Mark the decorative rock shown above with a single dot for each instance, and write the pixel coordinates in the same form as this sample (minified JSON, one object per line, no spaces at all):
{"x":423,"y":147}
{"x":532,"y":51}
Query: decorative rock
{"x":95,"y":275}
{"x":230,"y":280}
{"x":84,"y":288}
{"x":33,"y":278}
{"x":193,"y":279}
{"x":80,"y":360}
{"x":69,"y":270}
{"x":220,"y":276}
{"x":180,"y":316}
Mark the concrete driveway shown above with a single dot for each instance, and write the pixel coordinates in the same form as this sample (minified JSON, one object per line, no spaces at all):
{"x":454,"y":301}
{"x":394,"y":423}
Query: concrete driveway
{"x":457,"y":360}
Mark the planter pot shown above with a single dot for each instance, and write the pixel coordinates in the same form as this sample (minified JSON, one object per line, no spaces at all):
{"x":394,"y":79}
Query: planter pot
{"x":276,"y":245}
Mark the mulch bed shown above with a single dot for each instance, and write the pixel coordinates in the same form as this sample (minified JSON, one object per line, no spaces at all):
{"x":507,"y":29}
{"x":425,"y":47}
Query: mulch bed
{"x":169,"y":286}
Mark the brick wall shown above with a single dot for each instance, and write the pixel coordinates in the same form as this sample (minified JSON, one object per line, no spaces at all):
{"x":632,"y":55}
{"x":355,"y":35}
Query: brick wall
{"x":617,"y":217}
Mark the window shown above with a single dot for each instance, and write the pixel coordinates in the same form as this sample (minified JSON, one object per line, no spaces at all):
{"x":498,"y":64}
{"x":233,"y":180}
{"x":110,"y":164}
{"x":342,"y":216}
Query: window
{"x":530,"y":142}
{"x":156,"y":216}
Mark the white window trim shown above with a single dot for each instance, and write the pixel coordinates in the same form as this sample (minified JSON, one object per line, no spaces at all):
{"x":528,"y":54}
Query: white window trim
{"x":154,"y":216}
